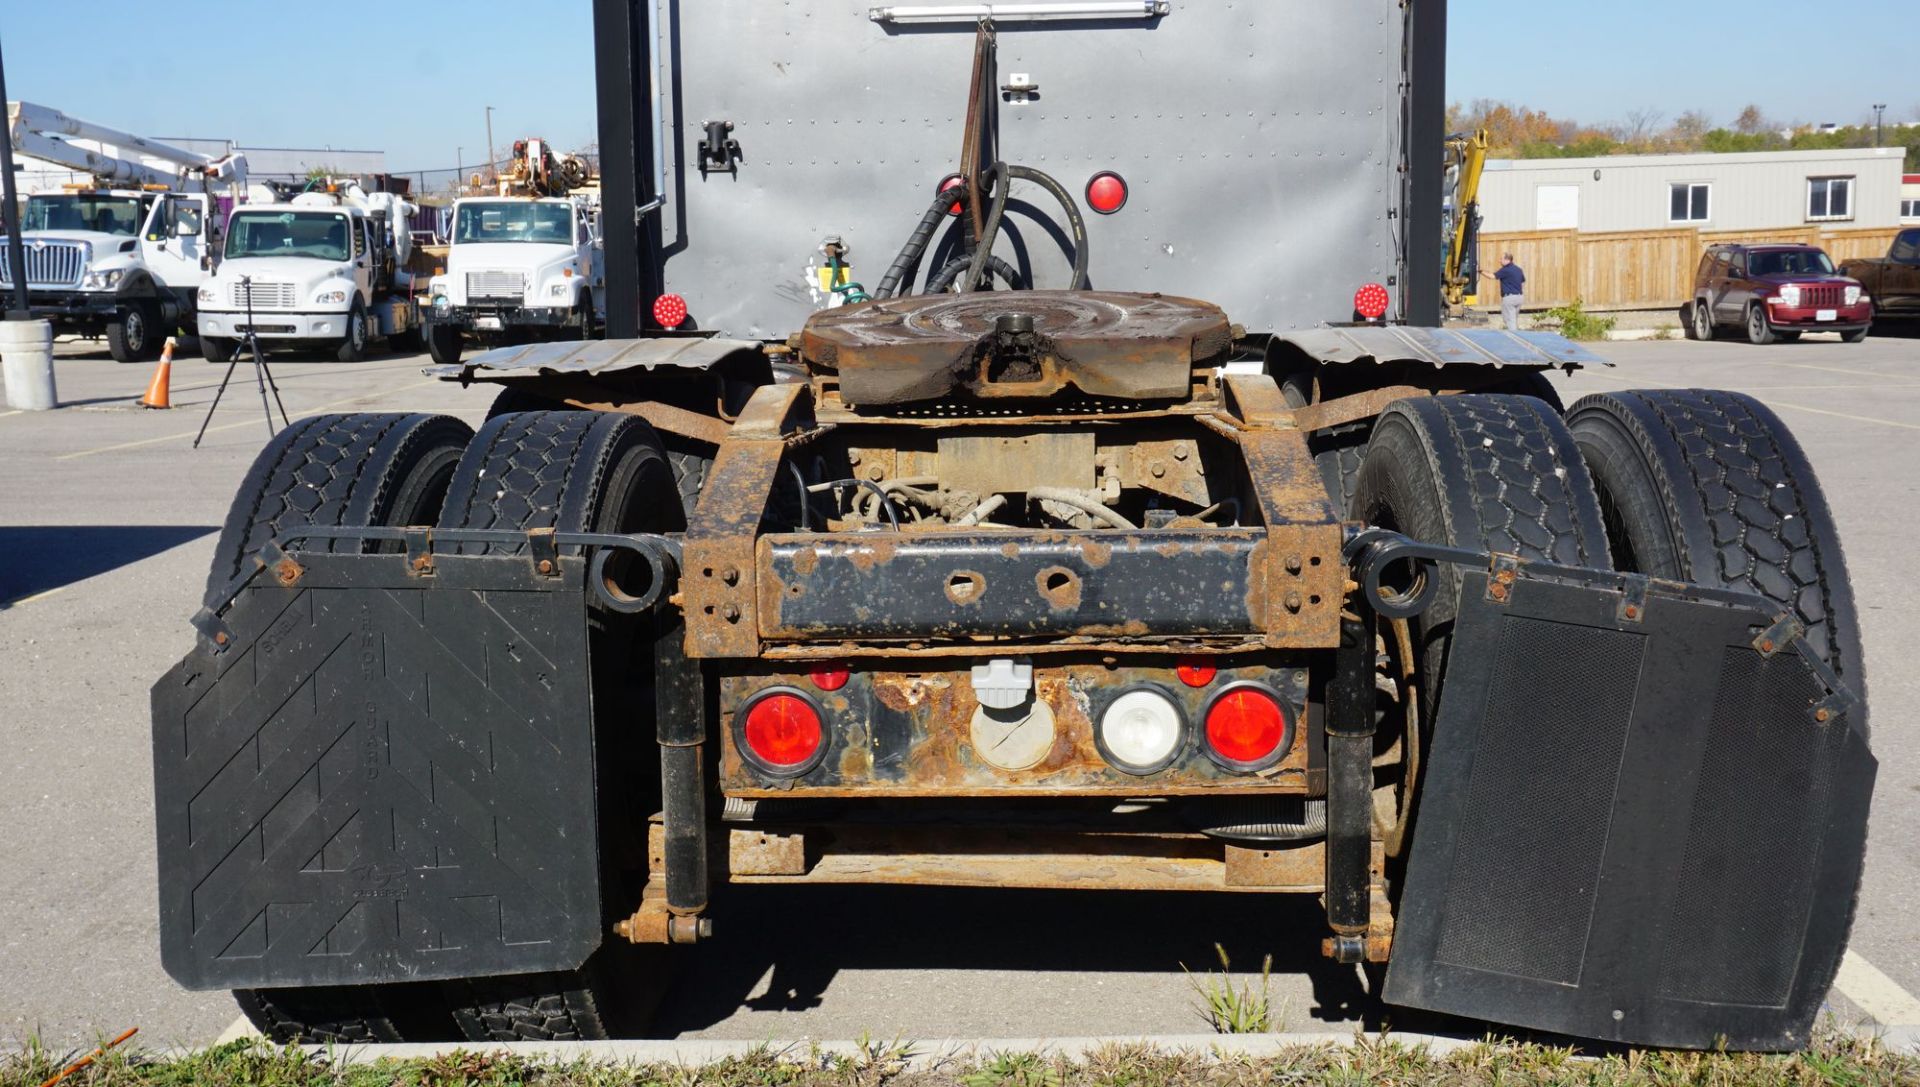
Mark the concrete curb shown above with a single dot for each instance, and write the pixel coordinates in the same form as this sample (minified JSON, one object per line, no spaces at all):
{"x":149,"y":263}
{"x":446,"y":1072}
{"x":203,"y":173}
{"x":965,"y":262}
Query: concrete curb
{"x":927,"y":1055}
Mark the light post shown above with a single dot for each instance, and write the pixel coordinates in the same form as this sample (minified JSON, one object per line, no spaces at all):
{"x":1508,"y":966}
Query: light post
{"x":493,"y":174}
{"x":1879,"y":115}
{"x":16,"y":254}
{"x":459,"y":169}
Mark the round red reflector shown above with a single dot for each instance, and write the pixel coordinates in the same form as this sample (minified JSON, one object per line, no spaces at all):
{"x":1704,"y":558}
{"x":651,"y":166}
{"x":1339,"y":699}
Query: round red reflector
{"x":830,"y":677}
{"x":783,"y":731}
{"x":1196,"y":671}
{"x":670,"y":310}
{"x":1247,"y":727}
{"x":1107,"y":192}
{"x":1371,"y":301}
{"x":953,"y":181}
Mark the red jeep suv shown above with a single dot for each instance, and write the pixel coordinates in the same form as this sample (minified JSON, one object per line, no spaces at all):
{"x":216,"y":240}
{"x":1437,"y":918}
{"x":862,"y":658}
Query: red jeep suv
{"x":1775,"y":292}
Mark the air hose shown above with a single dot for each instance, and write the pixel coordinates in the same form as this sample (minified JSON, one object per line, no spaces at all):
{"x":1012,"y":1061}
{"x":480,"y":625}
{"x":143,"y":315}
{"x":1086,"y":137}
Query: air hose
{"x":916,"y":246}
{"x":951,"y":271}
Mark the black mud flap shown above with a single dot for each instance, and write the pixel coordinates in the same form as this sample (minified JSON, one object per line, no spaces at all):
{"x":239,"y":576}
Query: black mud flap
{"x":1643,"y":821}
{"x":380,"y":777}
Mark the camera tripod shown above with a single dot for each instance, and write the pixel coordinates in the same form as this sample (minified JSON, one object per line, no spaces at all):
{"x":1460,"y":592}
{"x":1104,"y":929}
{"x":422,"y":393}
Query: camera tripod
{"x":249,"y":344}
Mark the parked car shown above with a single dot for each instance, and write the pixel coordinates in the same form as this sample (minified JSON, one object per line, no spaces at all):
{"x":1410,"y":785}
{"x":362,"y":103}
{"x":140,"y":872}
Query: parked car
{"x":1892,"y":281}
{"x":1774,"y":292}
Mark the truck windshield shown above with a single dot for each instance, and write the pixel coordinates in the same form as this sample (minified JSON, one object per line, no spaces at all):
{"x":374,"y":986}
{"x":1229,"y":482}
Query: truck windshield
{"x":1789,"y":262}
{"x":320,"y":235}
{"x":106,"y":214}
{"x":514,"y":222}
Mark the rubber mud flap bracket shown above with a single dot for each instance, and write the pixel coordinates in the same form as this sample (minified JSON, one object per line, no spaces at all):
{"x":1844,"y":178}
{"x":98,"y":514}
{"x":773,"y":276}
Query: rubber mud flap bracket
{"x":1642,"y":830}
{"x":321,"y":820}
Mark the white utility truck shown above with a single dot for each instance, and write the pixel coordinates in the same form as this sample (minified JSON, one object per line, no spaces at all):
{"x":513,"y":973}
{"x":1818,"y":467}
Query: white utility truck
{"x":517,"y":267}
{"x":124,"y":255}
{"x":326,"y":269}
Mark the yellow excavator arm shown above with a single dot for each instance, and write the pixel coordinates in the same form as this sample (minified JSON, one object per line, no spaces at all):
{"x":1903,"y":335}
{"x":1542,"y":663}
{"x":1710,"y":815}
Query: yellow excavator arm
{"x":1466,"y":160}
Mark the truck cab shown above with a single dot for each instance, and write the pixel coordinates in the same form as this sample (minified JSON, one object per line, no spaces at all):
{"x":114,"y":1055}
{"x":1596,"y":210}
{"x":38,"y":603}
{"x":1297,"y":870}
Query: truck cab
{"x":317,"y":272}
{"x":516,"y":267}
{"x":121,"y":263}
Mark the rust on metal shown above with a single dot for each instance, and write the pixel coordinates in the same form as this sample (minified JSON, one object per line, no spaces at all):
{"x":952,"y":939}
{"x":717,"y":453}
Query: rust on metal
{"x":766,"y":853}
{"x":1026,"y":344}
{"x":1257,"y":401}
{"x":287,"y":571}
{"x":1280,"y":866}
{"x":962,"y":856}
{"x":1361,"y":405}
{"x":897,"y":733}
{"x":719,"y":610}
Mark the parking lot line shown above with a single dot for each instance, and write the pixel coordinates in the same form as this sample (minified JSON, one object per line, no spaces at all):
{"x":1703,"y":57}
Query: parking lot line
{"x":41,"y":595}
{"x":233,"y":426}
{"x":1827,"y":369}
{"x":16,"y":411}
{"x":1842,"y":415}
{"x":1877,"y":994}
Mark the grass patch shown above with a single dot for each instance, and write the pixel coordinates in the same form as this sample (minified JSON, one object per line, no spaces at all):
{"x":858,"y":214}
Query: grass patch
{"x":1575,"y":323}
{"x":1234,"y":1010}
{"x":1835,"y":1059}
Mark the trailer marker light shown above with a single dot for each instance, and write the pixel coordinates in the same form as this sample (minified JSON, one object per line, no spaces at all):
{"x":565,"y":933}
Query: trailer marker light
{"x":670,"y":311}
{"x":783,"y":732}
{"x":1142,"y":731}
{"x":953,"y":181}
{"x":1107,"y":192}
{"x":1248,"y":727}
{"x":1195,"y":671}
{"x":1371,"y":301}
{"x":830,"y":677}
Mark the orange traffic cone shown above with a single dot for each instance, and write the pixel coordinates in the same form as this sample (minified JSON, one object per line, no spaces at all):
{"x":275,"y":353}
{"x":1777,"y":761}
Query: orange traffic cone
{"x":159,"y":391}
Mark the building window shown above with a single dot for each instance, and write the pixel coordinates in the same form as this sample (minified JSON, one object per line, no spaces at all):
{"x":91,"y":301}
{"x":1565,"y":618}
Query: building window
{"x":1689,"y":202}
{"x":1910,"y":209}
{"x":1829,"y":198}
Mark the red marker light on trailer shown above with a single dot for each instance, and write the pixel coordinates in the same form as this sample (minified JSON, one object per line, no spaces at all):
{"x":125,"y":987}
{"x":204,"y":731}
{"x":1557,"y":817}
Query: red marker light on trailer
{"x":783,"y":732}
{"x":1247,"y":727}
{"x":1107,"y":192}
{"x":949,"y":183}
{"x":670,"y":311}
{"x":830,"y":677}
{"x":1196,"y":671}
{"x":1371,"y":301}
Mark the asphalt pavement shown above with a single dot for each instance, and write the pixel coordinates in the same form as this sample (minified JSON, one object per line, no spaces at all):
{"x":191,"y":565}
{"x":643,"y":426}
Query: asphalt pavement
{"x":107,"y":521}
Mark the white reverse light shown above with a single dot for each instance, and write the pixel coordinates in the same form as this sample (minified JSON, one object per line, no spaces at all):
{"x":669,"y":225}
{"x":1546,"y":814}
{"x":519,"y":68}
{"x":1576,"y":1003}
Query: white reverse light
{"x":1141,"y":731}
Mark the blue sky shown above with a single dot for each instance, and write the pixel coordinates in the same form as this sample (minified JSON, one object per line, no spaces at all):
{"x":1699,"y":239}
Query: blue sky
{"x":269,"y":77}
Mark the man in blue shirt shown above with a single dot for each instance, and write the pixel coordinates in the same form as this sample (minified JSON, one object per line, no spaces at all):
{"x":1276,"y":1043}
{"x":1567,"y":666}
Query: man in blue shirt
{"x":1512,"y":290}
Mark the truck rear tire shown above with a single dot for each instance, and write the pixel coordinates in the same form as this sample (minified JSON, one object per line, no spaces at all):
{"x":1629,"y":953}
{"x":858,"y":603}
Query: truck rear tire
{"x":134,"y":334}
{"x":1487,"y":472}
{"x":691,"y":460}
{"x":576,"y":471}
{"x":363,"y":469}
{"x":218,"y":348}
{"x":348,"y":1015}
{"x":443,"y":343}
{"x":366,"y":469}
{"x":1711,"y":487}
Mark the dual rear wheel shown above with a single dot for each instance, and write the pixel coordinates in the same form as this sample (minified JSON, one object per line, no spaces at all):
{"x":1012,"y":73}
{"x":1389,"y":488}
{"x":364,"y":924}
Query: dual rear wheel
{"x":571,"y":471}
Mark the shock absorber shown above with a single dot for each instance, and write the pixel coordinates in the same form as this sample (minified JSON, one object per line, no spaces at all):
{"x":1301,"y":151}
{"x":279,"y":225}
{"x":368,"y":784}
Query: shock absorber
{"x":1350,"y":728}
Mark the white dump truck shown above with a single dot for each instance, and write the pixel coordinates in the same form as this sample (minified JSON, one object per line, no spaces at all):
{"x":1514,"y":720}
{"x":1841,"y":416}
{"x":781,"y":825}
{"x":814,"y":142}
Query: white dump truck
{"x":327,"y":270}
{"x":517,"y":267}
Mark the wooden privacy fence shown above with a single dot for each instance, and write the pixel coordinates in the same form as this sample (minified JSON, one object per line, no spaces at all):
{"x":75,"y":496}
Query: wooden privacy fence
{"x":1641,"y":269}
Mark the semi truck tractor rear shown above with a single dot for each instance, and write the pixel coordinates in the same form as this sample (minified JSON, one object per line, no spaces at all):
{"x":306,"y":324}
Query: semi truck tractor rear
{"x":1024,"y":457}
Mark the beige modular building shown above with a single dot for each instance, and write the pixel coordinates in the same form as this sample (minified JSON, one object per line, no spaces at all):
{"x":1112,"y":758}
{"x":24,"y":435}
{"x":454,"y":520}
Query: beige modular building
{"x":1764,"y":190}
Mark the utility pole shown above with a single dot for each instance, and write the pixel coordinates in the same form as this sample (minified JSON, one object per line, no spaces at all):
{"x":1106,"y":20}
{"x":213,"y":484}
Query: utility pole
{"x":459,"y":170}
{"x":493,"y":173}
{"x":16,"y":245}
{"x":1879,"y":115}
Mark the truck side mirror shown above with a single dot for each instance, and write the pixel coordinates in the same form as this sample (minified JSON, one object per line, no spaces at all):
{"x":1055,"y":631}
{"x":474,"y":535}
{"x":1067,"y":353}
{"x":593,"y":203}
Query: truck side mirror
{"x":187,"y":223}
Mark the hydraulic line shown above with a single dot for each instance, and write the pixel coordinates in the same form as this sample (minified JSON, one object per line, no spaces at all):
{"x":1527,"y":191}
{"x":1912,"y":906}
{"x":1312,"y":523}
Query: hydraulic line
{"x":916,"y":246}
{"x":983,"y":248}
{"x":1075,"y":224}
{"x":1008,"y":273}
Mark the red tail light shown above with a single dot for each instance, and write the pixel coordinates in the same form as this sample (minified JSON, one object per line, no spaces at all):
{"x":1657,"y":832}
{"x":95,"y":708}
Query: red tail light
{"x":1248,"y":727}
{"x":1196,"y":671}
{"x":1107,"y":192}
{"x":950,"y":182}
{"x":1371,"y":301}
{"x":670,"y":311}
{"x":830,"y":677}
{"x":783,"y":732}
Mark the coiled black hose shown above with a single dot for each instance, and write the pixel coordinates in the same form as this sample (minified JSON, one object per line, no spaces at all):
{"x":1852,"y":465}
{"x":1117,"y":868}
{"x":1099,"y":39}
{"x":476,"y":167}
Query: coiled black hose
{"x":951,"y":271}
{"x":1075,"y":224}
{"x":916,"y":246}
{"x":983,"y":248}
